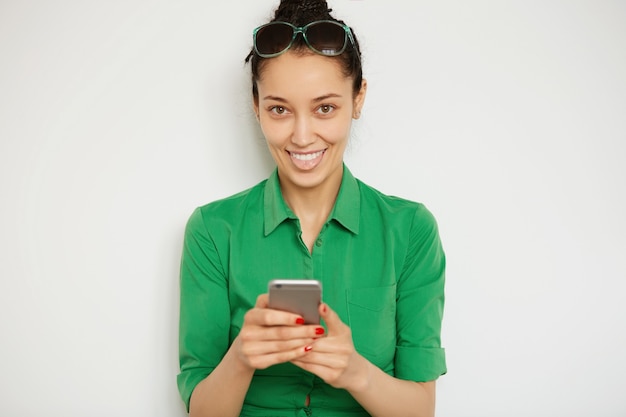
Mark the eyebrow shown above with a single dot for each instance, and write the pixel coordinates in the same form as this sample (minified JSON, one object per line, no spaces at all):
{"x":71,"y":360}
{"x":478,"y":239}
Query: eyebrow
{"x":315,"y":100}
{"x":326,"y":97}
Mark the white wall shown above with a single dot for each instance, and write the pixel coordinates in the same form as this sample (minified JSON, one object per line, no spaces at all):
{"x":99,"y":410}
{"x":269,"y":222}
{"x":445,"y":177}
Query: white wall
{"x":507,"y":118}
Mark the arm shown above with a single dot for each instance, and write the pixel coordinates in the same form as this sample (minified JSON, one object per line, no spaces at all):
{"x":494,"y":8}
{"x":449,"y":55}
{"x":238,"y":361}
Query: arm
{"x":223,"y":391}
{"x":384,"y":395}
{"x":268,"y":337}
{"x":419,"y":357}
{"x":214,"y":376}
{"x":334,"y":359}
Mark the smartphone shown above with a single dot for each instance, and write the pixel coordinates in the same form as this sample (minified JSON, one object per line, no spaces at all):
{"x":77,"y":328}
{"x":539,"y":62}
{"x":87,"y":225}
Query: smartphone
{"x":300,"y":296}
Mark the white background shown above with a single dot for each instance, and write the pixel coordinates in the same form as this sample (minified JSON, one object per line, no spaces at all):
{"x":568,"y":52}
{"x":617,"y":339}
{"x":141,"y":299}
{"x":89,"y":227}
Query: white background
{"x":506,"y":118}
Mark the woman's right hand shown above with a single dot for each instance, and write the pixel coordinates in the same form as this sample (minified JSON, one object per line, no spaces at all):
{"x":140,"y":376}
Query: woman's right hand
{"x":269,"y":337}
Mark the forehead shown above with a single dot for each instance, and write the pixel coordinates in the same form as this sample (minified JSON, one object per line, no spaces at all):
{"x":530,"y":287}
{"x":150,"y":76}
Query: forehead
{"x":296,"y":73}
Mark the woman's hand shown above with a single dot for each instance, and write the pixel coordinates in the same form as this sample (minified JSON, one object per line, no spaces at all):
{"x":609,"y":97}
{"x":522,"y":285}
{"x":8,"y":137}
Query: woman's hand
{"x":269,"y":337}
{"x":333,"y":358}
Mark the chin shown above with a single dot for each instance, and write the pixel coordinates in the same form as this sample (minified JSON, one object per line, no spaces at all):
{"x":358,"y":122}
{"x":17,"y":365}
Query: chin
{"x":314,"y":178}
{"x":306,"y":180}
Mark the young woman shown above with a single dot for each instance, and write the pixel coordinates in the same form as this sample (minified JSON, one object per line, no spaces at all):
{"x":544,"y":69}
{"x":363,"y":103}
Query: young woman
{"x":379,"y":258}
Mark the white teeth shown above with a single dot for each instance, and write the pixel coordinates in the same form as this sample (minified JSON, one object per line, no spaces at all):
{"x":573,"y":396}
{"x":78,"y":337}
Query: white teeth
{"x":306,"y":156}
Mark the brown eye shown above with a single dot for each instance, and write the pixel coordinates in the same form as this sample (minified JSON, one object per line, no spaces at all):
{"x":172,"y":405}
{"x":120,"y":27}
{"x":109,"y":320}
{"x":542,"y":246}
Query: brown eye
{"x":278,"y":109}
{"x":326,"y":108}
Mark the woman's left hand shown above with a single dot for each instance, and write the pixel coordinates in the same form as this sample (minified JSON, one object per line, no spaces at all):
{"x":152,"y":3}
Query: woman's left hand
{"x":333,"y":357}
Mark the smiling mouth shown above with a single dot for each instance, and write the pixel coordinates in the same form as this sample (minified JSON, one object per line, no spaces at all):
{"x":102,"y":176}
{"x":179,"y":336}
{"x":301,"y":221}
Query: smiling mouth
{"x":306,"y":161}
{"x":306,"y":156}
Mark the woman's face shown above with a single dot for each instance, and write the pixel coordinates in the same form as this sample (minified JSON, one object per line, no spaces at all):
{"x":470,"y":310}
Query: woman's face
{"x":305,"y":108}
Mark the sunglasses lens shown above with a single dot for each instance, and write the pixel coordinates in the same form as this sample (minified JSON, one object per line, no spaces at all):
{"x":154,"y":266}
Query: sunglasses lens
{"x":326,"y":38}
{"x":273,"y":38}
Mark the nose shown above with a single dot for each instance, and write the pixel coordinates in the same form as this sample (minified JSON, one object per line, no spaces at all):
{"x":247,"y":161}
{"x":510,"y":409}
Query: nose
{"x":302,"y":132}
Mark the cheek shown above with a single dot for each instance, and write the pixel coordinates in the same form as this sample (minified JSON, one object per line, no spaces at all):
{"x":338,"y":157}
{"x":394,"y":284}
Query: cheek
{"x":337,"y":132}
{"x":275,"y":133}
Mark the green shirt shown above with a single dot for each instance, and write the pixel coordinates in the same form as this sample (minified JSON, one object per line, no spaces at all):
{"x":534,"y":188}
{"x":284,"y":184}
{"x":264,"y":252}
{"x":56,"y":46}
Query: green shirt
{"x":381,"y":265}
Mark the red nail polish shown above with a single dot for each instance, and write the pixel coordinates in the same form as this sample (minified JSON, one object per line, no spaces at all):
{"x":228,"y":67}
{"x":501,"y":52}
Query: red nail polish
{"x":308,"y":348}
{"x":324,"y":308}
{"x":319,"y":330}
{"x":299,"y":320}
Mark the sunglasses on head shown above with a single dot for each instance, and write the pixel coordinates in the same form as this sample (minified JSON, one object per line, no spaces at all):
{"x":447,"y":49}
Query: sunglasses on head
{"x":325,"y":37}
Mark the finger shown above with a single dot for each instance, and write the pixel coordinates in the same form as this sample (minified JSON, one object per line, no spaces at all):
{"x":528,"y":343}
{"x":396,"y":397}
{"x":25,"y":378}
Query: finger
{"x":262,"y":301}
{"x":334,"y":373}
{"x":327,"y":359}
{"x":264,"y":361}
{"x":332,"y":320}
{"x":315,"y":368}
{"x":324,"y":349}
{"x":270,"y":317}
{"x":259,"y":348}
{"x":266,"y":333}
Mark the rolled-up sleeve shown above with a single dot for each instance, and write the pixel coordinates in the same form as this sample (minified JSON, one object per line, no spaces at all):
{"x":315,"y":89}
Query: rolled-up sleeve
{"x":204,"y":309}
{"x":420,"y":301}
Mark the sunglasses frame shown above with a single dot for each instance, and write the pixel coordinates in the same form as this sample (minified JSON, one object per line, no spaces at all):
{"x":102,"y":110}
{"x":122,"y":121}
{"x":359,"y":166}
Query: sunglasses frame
{"x":302,"y":30}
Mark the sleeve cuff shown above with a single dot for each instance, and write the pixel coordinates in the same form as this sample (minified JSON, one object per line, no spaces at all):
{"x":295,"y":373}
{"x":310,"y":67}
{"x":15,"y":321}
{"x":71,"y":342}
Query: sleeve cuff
{"x":420,"y":364}
{"x":187,"y":382}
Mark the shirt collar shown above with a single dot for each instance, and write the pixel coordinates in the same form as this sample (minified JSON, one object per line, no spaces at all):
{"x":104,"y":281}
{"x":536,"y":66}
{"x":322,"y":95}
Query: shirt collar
{"x":274,"y":207}
{"x":346,"y":210}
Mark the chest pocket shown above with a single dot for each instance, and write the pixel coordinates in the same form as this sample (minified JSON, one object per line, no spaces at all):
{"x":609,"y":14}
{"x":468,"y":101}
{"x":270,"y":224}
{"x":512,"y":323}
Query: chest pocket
{"x":372,"y":319}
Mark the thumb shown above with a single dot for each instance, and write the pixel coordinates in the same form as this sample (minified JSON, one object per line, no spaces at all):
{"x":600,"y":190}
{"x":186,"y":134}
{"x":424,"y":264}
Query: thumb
{"x":262,"y":301}
{"x":332,"y":320}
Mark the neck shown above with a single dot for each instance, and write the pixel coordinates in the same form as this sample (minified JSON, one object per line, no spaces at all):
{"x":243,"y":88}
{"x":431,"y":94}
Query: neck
{"x":313,"y":204}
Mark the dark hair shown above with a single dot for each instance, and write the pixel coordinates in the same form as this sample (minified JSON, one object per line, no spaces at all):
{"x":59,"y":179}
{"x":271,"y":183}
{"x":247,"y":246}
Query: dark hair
{"x":300,"y":13}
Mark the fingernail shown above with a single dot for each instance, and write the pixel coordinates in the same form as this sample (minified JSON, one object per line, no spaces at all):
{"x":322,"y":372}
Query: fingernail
{"x":319,"y":330}
{"x":308,"y":348}
{"x":324,"y":308}
{"x":299,"y":320}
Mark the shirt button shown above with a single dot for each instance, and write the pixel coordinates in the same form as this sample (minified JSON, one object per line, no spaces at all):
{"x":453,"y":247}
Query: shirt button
{"x":318,"y":242}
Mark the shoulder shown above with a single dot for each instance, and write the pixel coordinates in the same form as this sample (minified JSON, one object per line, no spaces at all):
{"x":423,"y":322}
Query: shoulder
{"x":229,"y":209}
{"x":397,"y":209}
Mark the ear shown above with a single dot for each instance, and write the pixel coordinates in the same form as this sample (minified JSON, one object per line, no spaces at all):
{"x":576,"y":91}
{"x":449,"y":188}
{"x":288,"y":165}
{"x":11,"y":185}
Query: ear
{"x":359,"y":100}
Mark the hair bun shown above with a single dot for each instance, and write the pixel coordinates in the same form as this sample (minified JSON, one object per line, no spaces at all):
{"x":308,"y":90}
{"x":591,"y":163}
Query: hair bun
{"x":301,"y":12}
